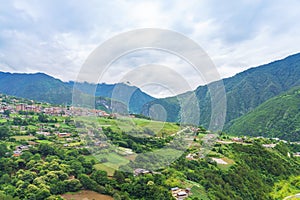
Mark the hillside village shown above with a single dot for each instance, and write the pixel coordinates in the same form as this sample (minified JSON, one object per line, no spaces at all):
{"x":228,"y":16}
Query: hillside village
{"x":32,"y":125}
{"x":15,"y":105}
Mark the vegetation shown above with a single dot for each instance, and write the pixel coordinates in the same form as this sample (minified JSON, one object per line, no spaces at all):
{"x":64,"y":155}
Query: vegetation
{"x":48,"y":156}
{"x":244,"y":91}
{"x":278,"y":117}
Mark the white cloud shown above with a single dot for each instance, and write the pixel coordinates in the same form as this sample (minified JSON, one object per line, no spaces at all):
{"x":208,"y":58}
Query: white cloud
{"x":56,"y":37}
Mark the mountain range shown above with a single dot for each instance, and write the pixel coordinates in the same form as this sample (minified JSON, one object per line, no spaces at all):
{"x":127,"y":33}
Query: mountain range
{"x":244,"y":92}
{"x":42,"y":87}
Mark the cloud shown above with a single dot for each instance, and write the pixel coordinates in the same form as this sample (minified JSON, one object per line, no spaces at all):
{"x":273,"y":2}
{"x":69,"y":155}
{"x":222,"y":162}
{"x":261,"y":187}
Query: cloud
{"x":56,"y":37}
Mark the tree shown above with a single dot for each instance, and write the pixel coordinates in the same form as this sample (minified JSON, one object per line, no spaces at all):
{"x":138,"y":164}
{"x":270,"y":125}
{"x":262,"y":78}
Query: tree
{"x":4,"y":132}
{"x":5,"y":179}
{"x":77,"y":168}
{"x":6,"y":113}
{"x":90,"y":184}
{"x":100,"y":177}
{"x":5,"y":197}
{"x":119,"y":176}
{"x":72,"y":185}
{"x":43,"y":118}
{"x":43,"y":194}
{"x":3,"y":149}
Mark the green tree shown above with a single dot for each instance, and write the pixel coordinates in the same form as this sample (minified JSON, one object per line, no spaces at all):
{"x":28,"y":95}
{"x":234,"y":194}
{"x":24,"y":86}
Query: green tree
{"x":6,"y":113}
{"x":4,"y":132}
{"x":43,"y":194}
{"x":100,"y":177}
{"x":3,"y":149}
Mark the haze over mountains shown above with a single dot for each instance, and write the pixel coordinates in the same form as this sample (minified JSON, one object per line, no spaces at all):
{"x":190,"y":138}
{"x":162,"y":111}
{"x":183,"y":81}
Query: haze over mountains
{"x":244,"y":91}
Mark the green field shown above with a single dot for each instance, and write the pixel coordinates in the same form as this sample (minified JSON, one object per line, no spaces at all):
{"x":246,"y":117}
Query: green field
{"x":110,"y":171}
{"x":129,"y":124}
{"x":23,"y":137}
{"x":44,"y":141}
{"x":196,"y":189}
{"x":113,"y":163}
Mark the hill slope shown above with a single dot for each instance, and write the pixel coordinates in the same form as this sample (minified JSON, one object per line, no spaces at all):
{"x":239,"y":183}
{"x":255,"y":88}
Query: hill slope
{"x":244,"y":91}
{"x":277,"y":117}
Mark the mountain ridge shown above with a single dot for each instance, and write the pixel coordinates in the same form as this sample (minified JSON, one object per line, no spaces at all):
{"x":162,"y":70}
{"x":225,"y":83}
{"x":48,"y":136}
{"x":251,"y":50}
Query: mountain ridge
{"x":244,"y":91}
{"x":42,"y":87}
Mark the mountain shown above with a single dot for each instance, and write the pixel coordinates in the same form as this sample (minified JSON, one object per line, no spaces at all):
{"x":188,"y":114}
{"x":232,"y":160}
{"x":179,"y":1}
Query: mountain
{"x":39,"y":86}
{"x":42,"y":87}
{"x":244,"y":91}
{"x":130,"y":95}
{"x":278,"y":117}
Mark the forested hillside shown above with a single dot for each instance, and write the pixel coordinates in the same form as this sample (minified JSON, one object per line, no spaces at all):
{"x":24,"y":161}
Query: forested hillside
{"x":277,"y":117}
{"x":244,"y":91}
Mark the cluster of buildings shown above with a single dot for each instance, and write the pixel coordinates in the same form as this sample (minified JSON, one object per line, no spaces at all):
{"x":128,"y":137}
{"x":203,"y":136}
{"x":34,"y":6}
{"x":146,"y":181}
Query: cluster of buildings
{"x":19,"y":150}
{"x":56,"y":111}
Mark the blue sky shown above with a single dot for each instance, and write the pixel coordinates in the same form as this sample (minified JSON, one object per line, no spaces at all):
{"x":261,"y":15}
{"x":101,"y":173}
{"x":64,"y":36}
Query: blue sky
{"x":56,"y":37}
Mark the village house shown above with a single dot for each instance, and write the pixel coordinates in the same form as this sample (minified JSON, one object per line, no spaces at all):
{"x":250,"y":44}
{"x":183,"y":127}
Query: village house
{"x":63,"y":134}
{"x":17,"y":153}
{"x":179,"y":193}
{"x":20,"y":149}
{"x":269,"y":145}
{"x":140,"y":171}
{"x":236,"y":139}
{"x":43,"y":133}
{"x":297,"y":154}
{"x":190,"y":156}
{"x":24,"y":107}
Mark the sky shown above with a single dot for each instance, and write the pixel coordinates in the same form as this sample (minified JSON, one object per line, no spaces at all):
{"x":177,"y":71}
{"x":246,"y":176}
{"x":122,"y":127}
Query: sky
{"x":57,"y":37}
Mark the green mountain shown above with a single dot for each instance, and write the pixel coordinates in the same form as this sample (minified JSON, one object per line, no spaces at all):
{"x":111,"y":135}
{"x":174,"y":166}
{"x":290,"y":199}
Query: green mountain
{"x":129,"y":95}
{"x":244,"y":91}
{"x":42,"y":87}
{"x":277,"y":117}
{"x":39,"y":86}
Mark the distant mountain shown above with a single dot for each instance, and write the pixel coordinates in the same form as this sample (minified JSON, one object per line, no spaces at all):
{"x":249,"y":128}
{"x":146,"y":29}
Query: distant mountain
{"x":39,"y":86}
{"x":130,"y":95}
{"x":277,"y":117}
{"x":244,"y":91}
{"x":42,"y":87}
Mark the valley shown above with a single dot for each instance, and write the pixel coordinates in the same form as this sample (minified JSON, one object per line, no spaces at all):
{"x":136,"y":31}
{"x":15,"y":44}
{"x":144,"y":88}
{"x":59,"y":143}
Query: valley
{"x":65,"y":152}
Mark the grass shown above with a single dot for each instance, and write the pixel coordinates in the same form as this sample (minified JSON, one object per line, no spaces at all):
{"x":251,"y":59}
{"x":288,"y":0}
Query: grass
{"x":128,"y":124}
{"x":199,"y":192}
{"x":44,"y":141}
{"x":31,"y":127}
{"x":226,"y":167}
{"x":23,"y":137}
{"x":113,"y":163}
{"x":286,"y":188}
{"x":74,"y":144}
{"x":196,"y":189}
{"x":110,"y":171}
